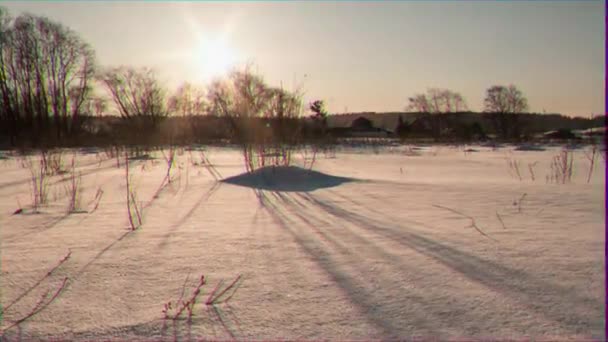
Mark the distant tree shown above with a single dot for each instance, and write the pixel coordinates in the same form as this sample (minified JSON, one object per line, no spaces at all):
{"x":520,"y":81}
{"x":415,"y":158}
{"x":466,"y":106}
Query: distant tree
{"x":319,"y":116}
{"x":437,"y":101}
{"x":503,"y":103}
{"x":503,"y":99}
{"x":140,"y":100}
{"x":136,"y":92}
{"x":96,"y":105}
{"x":262,"y":118}
{"x":318,"y":108}
{"x":187,"y":100}
{"x":402,"y":128}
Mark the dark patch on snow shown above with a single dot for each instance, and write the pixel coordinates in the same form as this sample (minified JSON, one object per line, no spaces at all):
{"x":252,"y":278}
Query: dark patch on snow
{"x":286,"y":178}
{"x":529,"y":147}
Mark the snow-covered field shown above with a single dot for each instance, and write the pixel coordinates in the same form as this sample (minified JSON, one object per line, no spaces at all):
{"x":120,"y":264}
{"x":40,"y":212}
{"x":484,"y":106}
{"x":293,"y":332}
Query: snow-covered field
{"x":376,"y":245}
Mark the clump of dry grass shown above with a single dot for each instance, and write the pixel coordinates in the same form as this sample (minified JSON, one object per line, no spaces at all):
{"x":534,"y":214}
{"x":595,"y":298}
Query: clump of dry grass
{"x":561,"y":167}
{"x":514,"y":168}
{"x":173,"y":311}
{"x":73,"y":189}
{"x":52,"y":162}
{"x":38,"y":181}
{"x":591,"y":156}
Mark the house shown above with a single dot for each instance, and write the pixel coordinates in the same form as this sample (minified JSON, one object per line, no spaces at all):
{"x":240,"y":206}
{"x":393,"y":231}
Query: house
{"x":360,"y":127}
{"x":362,"y":124}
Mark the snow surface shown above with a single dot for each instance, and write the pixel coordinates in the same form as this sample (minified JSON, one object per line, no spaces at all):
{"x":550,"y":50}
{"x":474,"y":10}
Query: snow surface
{"x":372,"y":244}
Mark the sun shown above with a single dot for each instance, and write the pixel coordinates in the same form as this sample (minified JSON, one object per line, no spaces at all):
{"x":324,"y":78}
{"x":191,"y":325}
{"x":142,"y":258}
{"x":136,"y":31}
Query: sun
{"x":215,"y":57}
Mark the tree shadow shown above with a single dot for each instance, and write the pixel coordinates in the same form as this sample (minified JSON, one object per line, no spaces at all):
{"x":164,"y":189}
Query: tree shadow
{"x":376,"y":314}
{"x":527,"y":289}
{"x":204,"y":197}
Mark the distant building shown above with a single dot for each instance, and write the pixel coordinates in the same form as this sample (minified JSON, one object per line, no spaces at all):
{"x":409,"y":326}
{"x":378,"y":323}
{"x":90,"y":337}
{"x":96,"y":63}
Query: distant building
{"x":362,"y":124}
{"x":560,"y":134}
{"x":361,"y":127}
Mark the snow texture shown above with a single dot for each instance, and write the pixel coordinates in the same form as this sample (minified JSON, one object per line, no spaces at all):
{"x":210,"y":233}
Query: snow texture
{"x":376,"y":243}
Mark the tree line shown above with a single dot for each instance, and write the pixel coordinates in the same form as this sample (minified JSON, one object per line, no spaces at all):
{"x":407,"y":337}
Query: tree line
{"x":50,"y":82}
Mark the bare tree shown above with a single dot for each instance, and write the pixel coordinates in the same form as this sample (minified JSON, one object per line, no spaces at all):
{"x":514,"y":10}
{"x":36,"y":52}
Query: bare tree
{"x":188,"y":100}
{"x":45,"y":72}
{"x":503,"y":99}
{"x":319,"y":116}
{"x":136,"y":92}
{"x":261,"y":117}
{"x":435,"y":102}
{"x":503,"y":103}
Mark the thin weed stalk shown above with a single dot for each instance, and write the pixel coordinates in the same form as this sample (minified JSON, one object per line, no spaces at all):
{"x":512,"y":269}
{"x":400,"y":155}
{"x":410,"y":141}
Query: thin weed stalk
{"x":501,"y":221}
{"x":96,"y":200}
{"x":40,"y":305}
{"x":473,"y":223}
{"x":531,"y":170}
{"x":74,"y":189}
{"x":47,"y":275}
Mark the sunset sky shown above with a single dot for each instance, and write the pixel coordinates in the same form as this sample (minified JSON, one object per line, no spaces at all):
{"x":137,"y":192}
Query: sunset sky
{"x":359,"y":56}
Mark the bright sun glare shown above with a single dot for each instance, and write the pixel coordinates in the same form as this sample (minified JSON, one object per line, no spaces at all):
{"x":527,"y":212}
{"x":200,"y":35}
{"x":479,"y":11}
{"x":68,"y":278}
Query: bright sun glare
{"x":215,"y":58}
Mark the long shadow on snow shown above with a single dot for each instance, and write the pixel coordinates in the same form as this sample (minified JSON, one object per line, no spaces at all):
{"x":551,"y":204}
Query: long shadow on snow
{"x":204,"y":197}
{"x":534,"y":293}
{"x":374,"y":313}
{"x":102,"y":252}
{"x":432,"y":320}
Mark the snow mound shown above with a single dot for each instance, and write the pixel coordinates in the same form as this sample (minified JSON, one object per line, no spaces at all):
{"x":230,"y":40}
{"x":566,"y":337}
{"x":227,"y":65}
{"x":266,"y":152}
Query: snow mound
{"x":286,"y":178}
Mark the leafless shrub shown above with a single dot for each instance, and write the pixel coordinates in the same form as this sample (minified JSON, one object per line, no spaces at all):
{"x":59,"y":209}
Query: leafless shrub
{"x":52,"y":162}
{"x":174,"y":310}
{"x":261,"y":118}
{"x":181,"y":305}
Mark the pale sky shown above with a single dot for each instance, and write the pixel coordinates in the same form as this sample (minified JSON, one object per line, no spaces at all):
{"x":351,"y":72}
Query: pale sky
{"x":359,"y":56}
